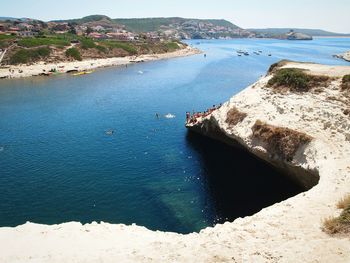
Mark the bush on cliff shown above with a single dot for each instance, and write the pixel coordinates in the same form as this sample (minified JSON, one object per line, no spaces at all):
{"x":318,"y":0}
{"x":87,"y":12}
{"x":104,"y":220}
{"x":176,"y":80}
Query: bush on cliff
{"x":340,"y":224}
{"x":86,"y":43}
{"x":73,"y":53}
{"x":29,"y":55}
{"x":345,"y":84}
{"x":281,"y":141}
{"x":296,"y":79}
{"x":293,"y":78}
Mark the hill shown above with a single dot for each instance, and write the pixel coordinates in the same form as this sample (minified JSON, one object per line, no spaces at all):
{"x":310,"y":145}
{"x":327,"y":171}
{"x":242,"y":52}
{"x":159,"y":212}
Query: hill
{"x":273,"y":32}
{"x":177,"y":27}
{"x":155,"y":24}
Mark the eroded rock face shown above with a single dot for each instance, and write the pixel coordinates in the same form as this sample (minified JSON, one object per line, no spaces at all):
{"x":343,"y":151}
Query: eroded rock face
{"x":279,"y":124}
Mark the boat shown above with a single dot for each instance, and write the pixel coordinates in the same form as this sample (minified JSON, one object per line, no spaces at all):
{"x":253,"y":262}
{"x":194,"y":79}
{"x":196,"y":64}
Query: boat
{"x":82,"y":73}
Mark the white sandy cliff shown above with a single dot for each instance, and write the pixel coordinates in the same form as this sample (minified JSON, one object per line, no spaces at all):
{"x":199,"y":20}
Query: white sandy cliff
{"x":289,"y":231}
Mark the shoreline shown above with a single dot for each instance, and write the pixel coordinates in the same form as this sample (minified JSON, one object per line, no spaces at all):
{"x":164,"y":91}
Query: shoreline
{"x":42,"y":68}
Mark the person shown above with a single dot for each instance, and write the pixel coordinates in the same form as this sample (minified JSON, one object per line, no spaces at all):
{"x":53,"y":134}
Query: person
{"x":188,"y":116}
{"x":205,"y":55}
{"x":157,"y":115}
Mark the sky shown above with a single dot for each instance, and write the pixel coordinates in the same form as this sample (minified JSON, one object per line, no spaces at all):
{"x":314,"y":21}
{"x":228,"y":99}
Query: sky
{"x":332,"y":15}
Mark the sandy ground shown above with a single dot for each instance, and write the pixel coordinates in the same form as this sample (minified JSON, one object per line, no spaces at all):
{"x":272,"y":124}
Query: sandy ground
{"x":20,"y":71}
{"x":289,"y":231}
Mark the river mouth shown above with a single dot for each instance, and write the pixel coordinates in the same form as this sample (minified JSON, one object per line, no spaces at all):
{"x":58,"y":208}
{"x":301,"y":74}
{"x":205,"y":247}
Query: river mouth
{"x":239,"y":183}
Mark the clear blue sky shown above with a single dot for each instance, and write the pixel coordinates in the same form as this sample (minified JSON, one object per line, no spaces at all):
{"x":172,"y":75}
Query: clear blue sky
{"x":333,"y":15}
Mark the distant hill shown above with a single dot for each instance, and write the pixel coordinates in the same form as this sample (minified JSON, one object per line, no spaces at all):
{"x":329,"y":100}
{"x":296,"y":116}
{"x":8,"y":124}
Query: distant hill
{"x":155,"y":24}
{"x":4,"y":18}
{"x":184,"y":28}
{"x":272,"y":32}
{"x":86,"y":19}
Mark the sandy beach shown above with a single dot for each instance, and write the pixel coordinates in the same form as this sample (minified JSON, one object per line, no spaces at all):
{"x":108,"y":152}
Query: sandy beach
{"x":21,"y":71}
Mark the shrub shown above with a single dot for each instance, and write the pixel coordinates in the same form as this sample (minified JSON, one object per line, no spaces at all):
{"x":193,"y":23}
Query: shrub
{"x":277,"y":65}
{"x":293,"y":78}
{"x":101,"y":49}
{"x":345,"y":84}
{"x":340,"y":224}
{"x":281,"y":141}
{"x":296,"y":80}
{"x":171,"y":46}
{"x":43,"y":41}
{"x":234,"y":116}
{"x":87,"y":43}
{"x":29,"y":55}
{"x":125,"y":46}
{"x":73,"y":53}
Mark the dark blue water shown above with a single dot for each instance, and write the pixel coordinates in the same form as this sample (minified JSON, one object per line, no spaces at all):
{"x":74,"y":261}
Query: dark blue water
{"x":57,"y":163}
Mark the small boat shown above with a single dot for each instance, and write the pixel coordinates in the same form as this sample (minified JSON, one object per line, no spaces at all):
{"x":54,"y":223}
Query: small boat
{"x":82,"y":73}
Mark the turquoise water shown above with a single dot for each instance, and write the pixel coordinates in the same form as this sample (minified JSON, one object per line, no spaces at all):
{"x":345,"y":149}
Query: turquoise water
{"x":58,"y":163}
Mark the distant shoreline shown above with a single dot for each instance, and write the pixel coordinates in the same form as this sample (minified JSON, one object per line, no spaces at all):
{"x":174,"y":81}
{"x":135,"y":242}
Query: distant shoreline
{"x":42,"y":68}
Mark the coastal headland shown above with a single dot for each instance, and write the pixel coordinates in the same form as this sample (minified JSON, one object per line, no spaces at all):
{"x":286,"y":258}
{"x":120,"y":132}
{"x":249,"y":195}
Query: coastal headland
{"x":304,"y":131}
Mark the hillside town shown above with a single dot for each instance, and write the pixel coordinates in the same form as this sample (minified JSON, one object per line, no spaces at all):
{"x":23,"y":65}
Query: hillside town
{"x":32,"y":28}
{"x":105,"y":28}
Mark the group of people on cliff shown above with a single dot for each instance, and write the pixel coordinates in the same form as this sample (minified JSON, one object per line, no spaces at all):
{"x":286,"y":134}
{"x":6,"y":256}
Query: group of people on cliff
{"x":191,"y":119}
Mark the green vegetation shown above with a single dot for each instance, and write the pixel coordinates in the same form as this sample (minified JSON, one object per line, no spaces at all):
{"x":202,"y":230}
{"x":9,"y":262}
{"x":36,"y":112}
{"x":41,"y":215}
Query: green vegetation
{"x":73,"y":53}
{"x":43,"y":41}
{"x":101,"y":49}
{"x":6,"y":37}
{"x":128,"y":47}
{"x":172,"y":46}
{"x":29,"y":55}
{"x":345,"y":84}
{"x":293,"y":78}
{"x":340,"y":224}
{"x":296,"y":80}
{"x":86,"y":19}
{"x":86,"y":43}
{"x":5,"y":40}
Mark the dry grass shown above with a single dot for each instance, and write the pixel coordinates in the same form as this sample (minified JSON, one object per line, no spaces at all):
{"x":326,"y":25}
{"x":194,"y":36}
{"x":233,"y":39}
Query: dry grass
{"x":234,"y":116}
{"x":340,"y":224}
{"x":344,"y":202}
{"x":281,"y":141}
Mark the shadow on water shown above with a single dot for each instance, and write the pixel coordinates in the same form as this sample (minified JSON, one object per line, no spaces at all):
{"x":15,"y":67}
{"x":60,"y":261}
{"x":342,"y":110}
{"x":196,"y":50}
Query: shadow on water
{"x":238,"y":183}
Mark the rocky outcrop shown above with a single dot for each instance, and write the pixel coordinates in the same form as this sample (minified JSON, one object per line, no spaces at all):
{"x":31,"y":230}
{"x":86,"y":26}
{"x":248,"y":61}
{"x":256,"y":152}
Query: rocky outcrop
{"x":298,"y":36}
{"x":306,"y":134}
{"x":345,"y":56}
